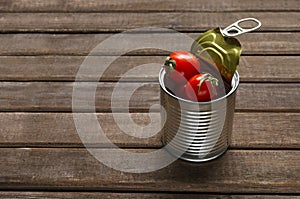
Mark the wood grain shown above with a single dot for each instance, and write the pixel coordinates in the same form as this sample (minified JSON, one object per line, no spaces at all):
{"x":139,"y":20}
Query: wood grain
{"x":238,"y":171}
{"x":57,"y":96}
{"x":82,"y":44}
{"x":144,"y":5}
{"x":64,"y":68}
{"x":43,"y":44}
{"x":250,"y":130}
{"x":110,"y":195}
{"x":116,"y":22}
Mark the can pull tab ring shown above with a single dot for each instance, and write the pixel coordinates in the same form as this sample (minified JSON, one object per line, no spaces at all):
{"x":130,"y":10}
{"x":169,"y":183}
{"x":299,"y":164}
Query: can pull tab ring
{"x":235,"y":30}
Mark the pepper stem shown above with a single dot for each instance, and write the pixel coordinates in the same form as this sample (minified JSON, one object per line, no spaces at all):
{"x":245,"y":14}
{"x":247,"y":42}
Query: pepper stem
{"x":170,"y":64}
{"x":213,"y":82}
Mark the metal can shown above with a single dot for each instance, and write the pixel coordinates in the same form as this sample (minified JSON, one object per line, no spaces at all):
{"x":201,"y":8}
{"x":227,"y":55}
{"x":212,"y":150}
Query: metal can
{"x":201,"y":131}
{"x":197,"y":131}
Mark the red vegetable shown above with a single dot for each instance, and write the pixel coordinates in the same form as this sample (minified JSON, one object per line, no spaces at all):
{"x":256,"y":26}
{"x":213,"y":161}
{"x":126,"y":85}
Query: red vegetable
{"x":202,"y":87}
{"x":180,"y":66}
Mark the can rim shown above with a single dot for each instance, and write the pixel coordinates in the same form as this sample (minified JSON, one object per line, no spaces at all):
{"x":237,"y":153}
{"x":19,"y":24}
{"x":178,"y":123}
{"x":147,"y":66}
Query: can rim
{"x":234,"y":85}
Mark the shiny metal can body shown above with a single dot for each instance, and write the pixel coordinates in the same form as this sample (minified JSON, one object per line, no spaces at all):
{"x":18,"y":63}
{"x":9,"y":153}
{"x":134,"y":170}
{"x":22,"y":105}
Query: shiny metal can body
{"x":197,"y":131}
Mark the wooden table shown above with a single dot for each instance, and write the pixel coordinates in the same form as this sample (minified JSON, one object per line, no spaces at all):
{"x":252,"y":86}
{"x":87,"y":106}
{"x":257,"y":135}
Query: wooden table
{"x":43,"y":44}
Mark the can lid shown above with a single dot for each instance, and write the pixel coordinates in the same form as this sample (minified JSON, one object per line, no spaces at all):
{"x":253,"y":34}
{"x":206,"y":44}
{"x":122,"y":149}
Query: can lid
{"x":220,"y":48}
{"x":221,"y":52}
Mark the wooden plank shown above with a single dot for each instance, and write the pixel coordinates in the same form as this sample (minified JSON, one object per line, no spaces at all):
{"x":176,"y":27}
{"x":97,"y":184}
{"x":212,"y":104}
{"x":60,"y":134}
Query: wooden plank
{"x":110,"y":195}
{"x":57,"y":96}
{"x":83,"y":44}
{"x":251,"y":130}
{"x":115,"y":22}
{"x":143,"y":5}
{"x":54,"y":68}
{"x":266,"y":130}
{"x":58,"y":130}
{"x":238,"y":171}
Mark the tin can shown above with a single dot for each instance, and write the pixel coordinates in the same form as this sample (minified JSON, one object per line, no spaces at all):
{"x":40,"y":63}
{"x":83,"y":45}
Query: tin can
{"x":197,"y":131}
{"x":201,"y":131}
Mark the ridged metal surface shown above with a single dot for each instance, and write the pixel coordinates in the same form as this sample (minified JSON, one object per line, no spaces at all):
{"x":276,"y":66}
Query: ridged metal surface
{"x":197,"y":131}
